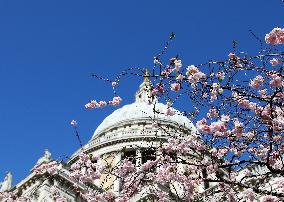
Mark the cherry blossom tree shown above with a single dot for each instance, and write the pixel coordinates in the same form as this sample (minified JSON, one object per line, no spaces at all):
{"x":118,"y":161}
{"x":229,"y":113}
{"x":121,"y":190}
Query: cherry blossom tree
{"x":236,"y":153}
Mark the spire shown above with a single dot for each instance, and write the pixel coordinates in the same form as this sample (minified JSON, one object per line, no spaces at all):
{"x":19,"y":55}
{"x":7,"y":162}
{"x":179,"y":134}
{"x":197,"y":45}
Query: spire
{"x":144,"y":92}
{"x":6,"y":185}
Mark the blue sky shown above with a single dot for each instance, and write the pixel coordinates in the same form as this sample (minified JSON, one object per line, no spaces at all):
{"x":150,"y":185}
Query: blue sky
{"x":48,"y":49}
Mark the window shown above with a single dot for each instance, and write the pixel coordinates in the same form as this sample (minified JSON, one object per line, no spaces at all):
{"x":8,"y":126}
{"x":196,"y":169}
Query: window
{"x":130,"y":154}
{"x":148,"y":154}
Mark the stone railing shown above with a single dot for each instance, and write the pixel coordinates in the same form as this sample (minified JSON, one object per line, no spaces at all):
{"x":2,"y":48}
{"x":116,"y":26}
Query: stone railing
{"x":122,"y":134}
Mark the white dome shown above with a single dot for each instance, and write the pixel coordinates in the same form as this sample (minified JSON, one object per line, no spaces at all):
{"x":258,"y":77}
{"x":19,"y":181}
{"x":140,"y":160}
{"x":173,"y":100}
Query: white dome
{"x":141,"y":111}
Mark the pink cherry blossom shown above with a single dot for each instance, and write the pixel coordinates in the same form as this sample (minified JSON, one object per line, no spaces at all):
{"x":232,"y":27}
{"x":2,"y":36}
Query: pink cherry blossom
{"x":175,"y":87}
{"x":216,"y":89}
{"x":212,"y":113}
{"x":178,"y":65}
{"x":115,"y":101}
{"x":101,"y":104}
{"x":276,"y":80}
{"x":127,"y":167}
{"x":218,"y":126}
{"x":225,"y":118}
{"x":275,"y":61}
{"x":263,"y":93}
{"x":50,"y":167}
{"x":269,"y":199}
{"x":162,"y":196}
{"x":92,"y":104}
{"x":192,"y":70}
{"x":257,"y":82}
{"x":275,"y":37}
{"x":194,"y":74}
{"x":232,"y":56}
{"x":202,"y":126}
{"x":170,"y":111}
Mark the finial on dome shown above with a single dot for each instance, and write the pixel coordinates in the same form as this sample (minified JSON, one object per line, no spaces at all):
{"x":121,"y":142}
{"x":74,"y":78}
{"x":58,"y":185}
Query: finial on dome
{"x":146,"y":76}
{"x":144,"y":92}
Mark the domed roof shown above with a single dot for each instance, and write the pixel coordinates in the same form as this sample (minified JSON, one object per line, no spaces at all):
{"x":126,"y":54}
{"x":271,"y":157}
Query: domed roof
{"x":140,"y":111}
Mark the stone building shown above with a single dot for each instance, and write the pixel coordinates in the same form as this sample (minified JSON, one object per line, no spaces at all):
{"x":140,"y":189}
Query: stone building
{"x":126,"y":133}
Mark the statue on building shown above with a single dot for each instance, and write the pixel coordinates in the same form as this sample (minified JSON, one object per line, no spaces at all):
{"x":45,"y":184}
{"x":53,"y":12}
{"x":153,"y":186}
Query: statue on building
{"x":45,"y":158}
{"x":6,"y":185}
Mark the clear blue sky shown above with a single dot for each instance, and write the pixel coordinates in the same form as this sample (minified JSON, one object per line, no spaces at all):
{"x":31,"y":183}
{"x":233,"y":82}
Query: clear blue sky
{"x":48,"y":49}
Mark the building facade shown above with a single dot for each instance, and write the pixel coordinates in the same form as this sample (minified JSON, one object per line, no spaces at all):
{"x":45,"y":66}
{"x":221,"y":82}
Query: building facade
{"x":129,"y":132}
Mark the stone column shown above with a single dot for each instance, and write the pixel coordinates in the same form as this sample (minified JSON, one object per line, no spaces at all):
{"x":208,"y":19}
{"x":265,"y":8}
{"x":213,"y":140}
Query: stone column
{"x":117,"y":181}
{"x":138,"y":157}
{"x":99,"y":162}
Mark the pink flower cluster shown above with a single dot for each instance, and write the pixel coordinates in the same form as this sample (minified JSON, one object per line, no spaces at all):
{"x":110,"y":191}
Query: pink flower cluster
{"x":11,"y":197}
{"x":131,"y":185}
{"x":170,"y":111}
{"x":274,"y":116}
{"x":244,"y":102}
{"x":162,"y":196}
{"x":164,"y":174}
{"x":238,"y":128}
{"x":159,"y":88}
{"x":94,"y":104}
{"x":85,"y":169}
{"x":168,"y":70}
{"x":232,"y":56}
{"x":275,"y":61}
{"x":194,"y":74}
{"x":257,"y":82}
{"x":178,"y":65}
{"x":216,"y":89}
{"x":175,"y":87}
{"x":263,"y":93}
{"x":275,"y":37}
{"x":93,"y":196}
{"x":55,"y":194}
{"x":7,"y":197}
{"x":168,"y":173}
{"x":269,"y":199}
{"x":149,"y":164}
{"x":278,"y":121}
{"x":115,"y":101}
{"x":184,"y":145}
{"x":50,"y":167}
{"x":276,"y":80}
{"x":126,"y":167}
{"x":217,"y":126}
{"x":213,"y":112}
